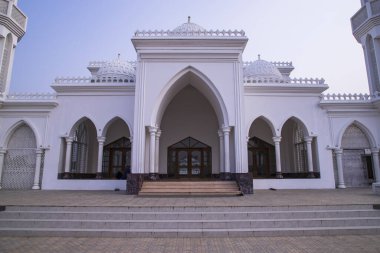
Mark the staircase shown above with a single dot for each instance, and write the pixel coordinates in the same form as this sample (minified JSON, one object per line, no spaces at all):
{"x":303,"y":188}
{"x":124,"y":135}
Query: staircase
{"x":182,"y":221}
{"x":189,"y":188}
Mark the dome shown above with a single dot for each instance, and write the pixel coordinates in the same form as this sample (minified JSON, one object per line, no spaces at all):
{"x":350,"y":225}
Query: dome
{"x":116,"y":68}
{"x":189,"y":28}
{"x":262,"y":69}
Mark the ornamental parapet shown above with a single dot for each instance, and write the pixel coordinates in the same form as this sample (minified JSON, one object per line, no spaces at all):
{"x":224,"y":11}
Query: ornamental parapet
{"x":170,"y":33}
{"x":341,"y":98}
{"x":290,"y":81}
{"x":92,"y":80}
{"x":98,"y":64}
{"x":31,"y":96}
{"x":278,"y":64}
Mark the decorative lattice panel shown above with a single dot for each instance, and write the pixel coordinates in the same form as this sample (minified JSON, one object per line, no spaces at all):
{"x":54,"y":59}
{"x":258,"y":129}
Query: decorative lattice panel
{"x":354,"y":171}
{"x":354,"y":138}
{"x":20,"y":160}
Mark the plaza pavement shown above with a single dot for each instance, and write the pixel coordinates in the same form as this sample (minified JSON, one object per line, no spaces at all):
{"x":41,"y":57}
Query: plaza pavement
{"x":330,"y":244}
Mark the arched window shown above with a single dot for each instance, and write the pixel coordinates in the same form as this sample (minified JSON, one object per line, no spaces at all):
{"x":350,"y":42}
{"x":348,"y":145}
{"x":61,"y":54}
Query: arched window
{"x":79,"y":150}
{"x":300,"y":149}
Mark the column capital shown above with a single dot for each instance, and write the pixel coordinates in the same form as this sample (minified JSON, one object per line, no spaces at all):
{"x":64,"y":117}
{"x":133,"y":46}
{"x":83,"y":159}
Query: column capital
{"x":69,"y":139}
{"x":101,"y":139}
{"x":308,"y":139}
{"x":39,"y":151}
{"x":276,"y":138}
{"x":152,"y":129}
{"x":3,"y":151}
{"x":220,"y":133}
{"x":158,"y":134}
{"x":226,"y":129}
{"x":338,"y":151}
{"x":375,"y":151}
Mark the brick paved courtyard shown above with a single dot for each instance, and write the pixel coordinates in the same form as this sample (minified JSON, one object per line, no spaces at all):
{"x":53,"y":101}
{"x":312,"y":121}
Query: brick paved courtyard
{"x":344,"y":244}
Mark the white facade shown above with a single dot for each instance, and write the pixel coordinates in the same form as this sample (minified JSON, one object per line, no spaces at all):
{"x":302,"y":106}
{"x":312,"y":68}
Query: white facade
{"x":189,"y":108}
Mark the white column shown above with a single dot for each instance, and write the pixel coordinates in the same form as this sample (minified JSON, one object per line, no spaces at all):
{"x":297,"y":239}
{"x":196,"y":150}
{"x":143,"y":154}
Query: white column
{"x":221,"y":152}
{"x":309,"y":151}
{"x":226,"y":134}
{"x":375,"y":163}
{"x":157,"y":159}
{"x":2,"y":154}
{"x":36,"y":184}
{"x":101,"y":141}
{"x":339,"y":165}
{"x":69,"y":143}
{"x":152,"y":146}
{"x":277,"y":140}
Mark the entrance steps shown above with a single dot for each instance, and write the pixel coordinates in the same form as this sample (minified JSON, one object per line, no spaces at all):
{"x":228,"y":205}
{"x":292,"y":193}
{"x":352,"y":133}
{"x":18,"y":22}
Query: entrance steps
{"x":189,"y":188}
{"x":173,"y":221}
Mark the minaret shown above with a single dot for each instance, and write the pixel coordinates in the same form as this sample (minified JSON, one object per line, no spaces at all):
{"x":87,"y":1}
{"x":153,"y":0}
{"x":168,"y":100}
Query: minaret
{"x":12,"y":27}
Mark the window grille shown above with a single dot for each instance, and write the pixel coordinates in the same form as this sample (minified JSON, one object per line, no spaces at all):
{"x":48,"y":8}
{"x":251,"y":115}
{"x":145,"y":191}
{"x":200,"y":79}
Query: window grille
{"x":300,"y":150}
{"x":79,"y":150}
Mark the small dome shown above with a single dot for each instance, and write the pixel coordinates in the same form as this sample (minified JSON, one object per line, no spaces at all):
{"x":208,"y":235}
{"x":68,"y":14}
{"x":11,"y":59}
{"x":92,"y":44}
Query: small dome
{"x":262,"y":69}
{"x":116,"y":68}
{"x":189,"y":28}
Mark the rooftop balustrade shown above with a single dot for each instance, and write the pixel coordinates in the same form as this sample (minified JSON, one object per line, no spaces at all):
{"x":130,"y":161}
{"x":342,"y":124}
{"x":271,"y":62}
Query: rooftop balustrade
{"x":170,"y":33}
{"x":31,"y":96}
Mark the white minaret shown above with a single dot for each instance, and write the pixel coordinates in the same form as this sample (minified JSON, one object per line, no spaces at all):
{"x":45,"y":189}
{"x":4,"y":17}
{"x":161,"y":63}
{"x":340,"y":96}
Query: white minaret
{"x":366,"y":29}
{"x":12,"y":28}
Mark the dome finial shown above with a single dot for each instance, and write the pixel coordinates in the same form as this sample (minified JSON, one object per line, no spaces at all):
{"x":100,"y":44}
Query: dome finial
{"x":258,"y":57}
{"x":118,"y":56}
{"x":188,"y":19}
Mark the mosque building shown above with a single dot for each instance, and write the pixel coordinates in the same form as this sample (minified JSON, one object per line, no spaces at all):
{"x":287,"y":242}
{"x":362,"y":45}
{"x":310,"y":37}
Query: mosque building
{"x":190,"y":107}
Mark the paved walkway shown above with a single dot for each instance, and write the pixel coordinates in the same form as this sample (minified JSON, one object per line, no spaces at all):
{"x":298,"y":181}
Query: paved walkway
{"x":323,"y":244}
{"x":331,"y":244}
{"x":260,"y":198}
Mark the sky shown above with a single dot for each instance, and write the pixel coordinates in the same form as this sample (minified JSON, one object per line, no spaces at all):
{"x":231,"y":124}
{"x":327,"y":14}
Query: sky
{"x":63,"y":36}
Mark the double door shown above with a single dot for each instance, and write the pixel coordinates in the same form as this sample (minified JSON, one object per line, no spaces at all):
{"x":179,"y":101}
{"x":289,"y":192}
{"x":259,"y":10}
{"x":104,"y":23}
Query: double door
{"x":192,"y":163}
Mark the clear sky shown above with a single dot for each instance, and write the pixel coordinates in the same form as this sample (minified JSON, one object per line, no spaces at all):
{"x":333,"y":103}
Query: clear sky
{"x":64,"y":35}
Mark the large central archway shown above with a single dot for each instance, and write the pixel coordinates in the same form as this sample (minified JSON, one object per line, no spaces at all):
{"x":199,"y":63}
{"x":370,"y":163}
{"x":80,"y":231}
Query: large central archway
{"x":191,"y":107}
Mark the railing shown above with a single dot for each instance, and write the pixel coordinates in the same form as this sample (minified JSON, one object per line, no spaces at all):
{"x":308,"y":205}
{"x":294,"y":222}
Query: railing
{"x":89,"y":80}
{"x":210,"y":33}
{"x":297,"y":81}
{"x":346,"y":97}
{"x":31,"y":96}
{"x":278,"y":64}
{"x":98,"y":64}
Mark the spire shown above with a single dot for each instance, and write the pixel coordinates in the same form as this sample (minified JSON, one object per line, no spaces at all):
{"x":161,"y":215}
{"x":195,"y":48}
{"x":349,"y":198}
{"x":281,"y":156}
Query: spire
{"x":258,"y":57}
{"x":188,"y":19}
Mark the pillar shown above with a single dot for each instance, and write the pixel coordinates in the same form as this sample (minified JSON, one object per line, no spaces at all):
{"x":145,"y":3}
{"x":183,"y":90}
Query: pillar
{"x":2,"y":154}
{"x":69,"y":144}
{"x":101,"y":141}
{"x":221,"y":152}
{"x":36,"y":184}
{"x":157,"y":152}
{"x":309,"y":151}
{"x":375,"y":163}
{"x":226,"y":134}
{"x":152,"y":155}
{"x":277,"y":140}
{"x":339,"y":165}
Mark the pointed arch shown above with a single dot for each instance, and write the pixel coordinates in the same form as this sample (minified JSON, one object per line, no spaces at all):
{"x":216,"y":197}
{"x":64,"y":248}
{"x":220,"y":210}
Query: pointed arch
{"x":78,"y":122}
{"x":267,"y":121}
{"x":362,"y":127}
{"x":111,"y":121}
{"x":298,"y":121}
{"x":203,"y":84}
{"x":8,"y":134}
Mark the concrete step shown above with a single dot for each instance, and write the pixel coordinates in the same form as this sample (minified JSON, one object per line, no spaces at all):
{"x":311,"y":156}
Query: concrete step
{"x":184,"y":221}
{"x":169,"y":215}
{"x":189,"y":224}
{"x":112,"y":233}
{"x":184,"y":188}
